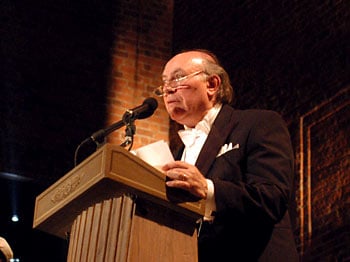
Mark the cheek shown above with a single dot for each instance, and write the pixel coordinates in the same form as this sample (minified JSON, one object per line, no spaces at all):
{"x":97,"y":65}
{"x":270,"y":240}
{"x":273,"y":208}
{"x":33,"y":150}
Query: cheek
{"x":174,"y":101}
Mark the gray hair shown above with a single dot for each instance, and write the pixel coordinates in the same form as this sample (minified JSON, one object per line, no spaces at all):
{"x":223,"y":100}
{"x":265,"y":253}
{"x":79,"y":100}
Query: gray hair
{"x":212,"y":66}
{"x":225,"y":91}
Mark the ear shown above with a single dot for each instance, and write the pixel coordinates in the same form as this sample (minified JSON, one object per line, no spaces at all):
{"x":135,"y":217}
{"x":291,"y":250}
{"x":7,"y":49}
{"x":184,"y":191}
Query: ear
{"x":213,"y":83}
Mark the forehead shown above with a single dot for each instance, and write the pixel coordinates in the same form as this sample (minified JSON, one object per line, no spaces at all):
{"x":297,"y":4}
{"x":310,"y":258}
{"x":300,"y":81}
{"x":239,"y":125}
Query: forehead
{"x":184,"y":62}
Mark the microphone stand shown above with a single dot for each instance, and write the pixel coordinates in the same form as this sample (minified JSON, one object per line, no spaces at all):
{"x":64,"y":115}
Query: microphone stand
{"x":99,"y":137}
{"x":129,"y":121}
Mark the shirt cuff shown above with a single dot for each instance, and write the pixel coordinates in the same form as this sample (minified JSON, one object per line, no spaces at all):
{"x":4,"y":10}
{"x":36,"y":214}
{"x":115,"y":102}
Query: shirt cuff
{"x":210,"y":205}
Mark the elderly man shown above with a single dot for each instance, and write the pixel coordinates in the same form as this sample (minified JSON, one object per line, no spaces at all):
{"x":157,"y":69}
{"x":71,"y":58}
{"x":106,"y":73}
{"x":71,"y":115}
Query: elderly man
{"x":239,"y":161}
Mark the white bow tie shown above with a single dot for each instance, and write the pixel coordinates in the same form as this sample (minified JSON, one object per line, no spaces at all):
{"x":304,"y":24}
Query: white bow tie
{"x":189,"y":136}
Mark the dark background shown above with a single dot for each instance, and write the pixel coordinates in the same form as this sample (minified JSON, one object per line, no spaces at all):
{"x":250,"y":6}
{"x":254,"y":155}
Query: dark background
{"x":55,"y":60}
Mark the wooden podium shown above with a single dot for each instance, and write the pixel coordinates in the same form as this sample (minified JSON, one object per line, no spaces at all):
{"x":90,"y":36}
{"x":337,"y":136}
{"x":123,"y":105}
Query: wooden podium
{"x":115,"y":207}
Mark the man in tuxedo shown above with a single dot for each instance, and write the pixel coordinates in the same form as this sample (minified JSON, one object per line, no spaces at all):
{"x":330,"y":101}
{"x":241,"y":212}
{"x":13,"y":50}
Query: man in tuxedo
{"x":239,"y":161}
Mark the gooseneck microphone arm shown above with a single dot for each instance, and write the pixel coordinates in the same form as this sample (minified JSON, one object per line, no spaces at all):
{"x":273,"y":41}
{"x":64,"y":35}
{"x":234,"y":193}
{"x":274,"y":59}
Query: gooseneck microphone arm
{"x":145,"y":110}
{"x":102,"y":133}
{"x":97,"y":137}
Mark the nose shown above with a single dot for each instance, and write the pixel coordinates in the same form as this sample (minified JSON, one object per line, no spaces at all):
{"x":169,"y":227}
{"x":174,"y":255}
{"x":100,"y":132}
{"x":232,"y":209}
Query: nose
{"x":169,"y":90}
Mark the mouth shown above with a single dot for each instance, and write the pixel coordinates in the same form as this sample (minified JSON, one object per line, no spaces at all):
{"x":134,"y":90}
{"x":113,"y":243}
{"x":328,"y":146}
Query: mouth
{"x":171,"y":101}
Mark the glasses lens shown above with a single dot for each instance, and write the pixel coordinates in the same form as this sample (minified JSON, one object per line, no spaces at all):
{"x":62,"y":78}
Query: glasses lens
{"x":173,"y":85}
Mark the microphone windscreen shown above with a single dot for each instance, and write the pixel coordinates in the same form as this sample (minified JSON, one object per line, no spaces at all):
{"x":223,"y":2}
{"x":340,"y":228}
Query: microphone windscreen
{"x":151,"y":104}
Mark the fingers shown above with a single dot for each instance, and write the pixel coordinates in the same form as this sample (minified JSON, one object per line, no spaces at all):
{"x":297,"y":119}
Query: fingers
{"x":183,"y":177}
{"x":189,"y":179}
{"x":175,"y":164}
{"x":179,"y":180}
{"x":176,"y":174}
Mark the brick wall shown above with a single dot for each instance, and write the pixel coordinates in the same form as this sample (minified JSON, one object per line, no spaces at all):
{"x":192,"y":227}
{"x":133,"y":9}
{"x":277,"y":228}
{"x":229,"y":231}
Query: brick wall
{"x":142,"y":46}
{"x":323,"y":182}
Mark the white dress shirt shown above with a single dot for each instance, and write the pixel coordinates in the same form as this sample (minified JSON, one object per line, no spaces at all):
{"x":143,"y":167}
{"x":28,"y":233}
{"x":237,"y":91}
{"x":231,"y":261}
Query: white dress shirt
{"x":194,"y":139}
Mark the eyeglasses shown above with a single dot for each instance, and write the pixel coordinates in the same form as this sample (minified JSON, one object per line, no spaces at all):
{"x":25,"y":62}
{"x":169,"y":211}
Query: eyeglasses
{"x":171,"y":86}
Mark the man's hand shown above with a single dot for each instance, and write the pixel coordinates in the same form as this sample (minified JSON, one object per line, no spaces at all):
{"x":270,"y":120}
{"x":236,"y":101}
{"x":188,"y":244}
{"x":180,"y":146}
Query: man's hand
{"x":186,"y":177}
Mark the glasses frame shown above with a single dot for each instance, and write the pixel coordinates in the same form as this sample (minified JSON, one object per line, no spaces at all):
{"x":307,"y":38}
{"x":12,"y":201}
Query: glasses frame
{"x":171,"y":86}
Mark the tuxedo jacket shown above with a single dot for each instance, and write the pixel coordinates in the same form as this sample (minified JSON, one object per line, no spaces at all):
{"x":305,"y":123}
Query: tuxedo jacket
{"x":253,"y":183}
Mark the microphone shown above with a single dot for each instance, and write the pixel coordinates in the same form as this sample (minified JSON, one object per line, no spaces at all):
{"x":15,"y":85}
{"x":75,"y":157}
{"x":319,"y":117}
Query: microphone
{"x":143,"y":111}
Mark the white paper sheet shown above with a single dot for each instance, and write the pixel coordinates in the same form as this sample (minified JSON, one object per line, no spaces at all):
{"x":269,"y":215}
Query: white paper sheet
{"x":156,"y":154}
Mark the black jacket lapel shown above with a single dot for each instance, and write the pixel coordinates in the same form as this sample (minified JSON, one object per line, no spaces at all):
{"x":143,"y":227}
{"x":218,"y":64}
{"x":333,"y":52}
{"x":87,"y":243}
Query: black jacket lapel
{"x":221,"y":129}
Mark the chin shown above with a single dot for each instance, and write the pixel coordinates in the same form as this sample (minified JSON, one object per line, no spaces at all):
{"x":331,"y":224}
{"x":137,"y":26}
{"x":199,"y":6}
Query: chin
{"x":177,"y":118}
{"x":178,"y":114}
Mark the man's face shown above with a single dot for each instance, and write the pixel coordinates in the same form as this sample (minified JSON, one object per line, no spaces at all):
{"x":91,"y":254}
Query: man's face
{"x":191,"y":101}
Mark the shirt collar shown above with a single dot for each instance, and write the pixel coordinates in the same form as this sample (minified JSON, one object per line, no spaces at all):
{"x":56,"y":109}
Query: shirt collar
{"x":205,"y":124}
